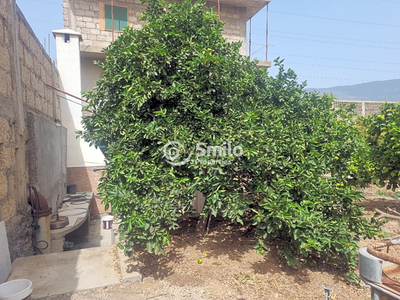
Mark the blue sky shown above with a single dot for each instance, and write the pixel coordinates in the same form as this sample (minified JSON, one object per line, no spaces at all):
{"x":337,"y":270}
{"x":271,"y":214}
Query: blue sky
{"x":327,"y":43}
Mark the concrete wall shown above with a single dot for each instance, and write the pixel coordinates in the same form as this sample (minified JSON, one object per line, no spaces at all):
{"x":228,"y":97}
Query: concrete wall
{"x":90,"y":73}
{"x":47,"y":150}
{"x":24,"y":70}
{"x":363,"y":108}
{"x":84,"y":16}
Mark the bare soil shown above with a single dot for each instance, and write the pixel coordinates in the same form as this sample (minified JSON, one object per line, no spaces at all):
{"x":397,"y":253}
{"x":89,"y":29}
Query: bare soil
{"x":231,"y":269}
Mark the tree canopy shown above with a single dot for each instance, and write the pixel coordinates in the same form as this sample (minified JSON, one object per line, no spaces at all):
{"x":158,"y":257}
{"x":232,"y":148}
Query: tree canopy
{"x":180,"y":110}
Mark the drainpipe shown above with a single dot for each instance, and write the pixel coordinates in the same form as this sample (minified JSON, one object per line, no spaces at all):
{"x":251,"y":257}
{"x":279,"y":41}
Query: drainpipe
{"x":250,"y":40}
{"x":112,"y":19}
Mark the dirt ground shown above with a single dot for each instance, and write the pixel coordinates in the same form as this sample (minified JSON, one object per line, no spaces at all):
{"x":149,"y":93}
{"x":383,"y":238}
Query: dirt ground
{"x":231,"y":269}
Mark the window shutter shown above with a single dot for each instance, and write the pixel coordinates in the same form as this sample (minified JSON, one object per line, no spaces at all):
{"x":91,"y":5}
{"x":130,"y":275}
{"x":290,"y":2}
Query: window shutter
{"x":120,"y":17}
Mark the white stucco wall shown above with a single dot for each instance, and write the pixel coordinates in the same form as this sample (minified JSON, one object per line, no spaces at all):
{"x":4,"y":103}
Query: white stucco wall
{"x":79,"y":153}
{"x":90,"y":73}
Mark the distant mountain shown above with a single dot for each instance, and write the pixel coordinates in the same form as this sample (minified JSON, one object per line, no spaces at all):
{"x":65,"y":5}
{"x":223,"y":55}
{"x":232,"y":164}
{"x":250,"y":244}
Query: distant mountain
{"x":388,"y":90}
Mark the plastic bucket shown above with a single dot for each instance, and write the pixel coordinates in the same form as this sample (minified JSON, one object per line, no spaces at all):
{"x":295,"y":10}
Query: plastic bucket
{"x":107,"y":222}
{"x":19,"y":289}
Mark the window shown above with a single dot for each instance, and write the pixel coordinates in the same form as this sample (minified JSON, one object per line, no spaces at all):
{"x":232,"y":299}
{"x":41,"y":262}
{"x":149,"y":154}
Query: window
{"x":120,"y":17}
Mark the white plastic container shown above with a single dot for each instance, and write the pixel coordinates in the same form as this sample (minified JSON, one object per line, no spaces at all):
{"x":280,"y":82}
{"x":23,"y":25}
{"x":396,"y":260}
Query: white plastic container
{"x":107,"y":222}
{"x":19,"y":289}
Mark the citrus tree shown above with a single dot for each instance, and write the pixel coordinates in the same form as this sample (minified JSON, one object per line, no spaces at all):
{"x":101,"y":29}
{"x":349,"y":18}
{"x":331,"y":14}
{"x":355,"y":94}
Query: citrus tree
{"x":179,"y":110}
{"x":381,"y":165}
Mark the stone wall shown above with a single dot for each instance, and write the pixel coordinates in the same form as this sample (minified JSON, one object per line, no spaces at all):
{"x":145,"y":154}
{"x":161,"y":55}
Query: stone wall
{"x":235,"y":26}
{"x":363,"y":108}
{"x":24,"y":69}
{"x":83,"y":16}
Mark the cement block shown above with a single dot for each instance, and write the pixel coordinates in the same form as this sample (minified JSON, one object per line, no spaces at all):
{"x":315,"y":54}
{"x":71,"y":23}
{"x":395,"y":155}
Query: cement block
{"x":8,"y":208}
{"x":4,"y":131}
{"x":7,"y":157}
{"x":5,"y":59}
{"x":11,"y":183}
{"x":4,"y":76}
{"x":88,"y":19}
{"x":3,"y":186}
{"x":90,"y":25}
{"x":5,"y":260}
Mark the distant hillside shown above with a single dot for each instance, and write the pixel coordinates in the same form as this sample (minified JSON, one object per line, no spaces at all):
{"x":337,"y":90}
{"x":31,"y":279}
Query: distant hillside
{"x":388,"y":90}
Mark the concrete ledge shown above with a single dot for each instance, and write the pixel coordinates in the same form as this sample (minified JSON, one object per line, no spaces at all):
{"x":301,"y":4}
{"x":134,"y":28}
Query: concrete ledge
{"x":264,"y":64}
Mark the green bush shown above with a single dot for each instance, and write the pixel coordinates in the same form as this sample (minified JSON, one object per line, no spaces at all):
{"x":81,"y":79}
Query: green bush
{"x":177,"y":79}
{"x":382,"y":164}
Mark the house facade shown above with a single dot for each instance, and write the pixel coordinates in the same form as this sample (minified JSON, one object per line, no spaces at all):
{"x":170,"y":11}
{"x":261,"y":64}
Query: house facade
{"x":89,"y":27}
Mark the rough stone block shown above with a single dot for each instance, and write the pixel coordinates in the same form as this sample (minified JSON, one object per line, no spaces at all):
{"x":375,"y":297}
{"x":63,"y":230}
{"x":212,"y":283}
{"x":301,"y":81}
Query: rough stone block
{"x":90,"y":25}
{"x":41,"y":88}
{"x":81,"y":24}
{"x":92,"y":37}
{"x":7,"y":157}
{"x":43,"y":72}
{"x":5,"y":58}
{"x":86,"y":31}
{"x":36,"y":69}
{"x":95,"y":31}
{"x":6,"y":38}
{"x":4,"y":131}
{"x":90,"y":13}
{"x":4,"y":80}
{"x":2,"y":31}
{"x":94,"y":7}
{"x":8,"y":208}
{"x":25,"y":75}
{"x":3,"y":186}
{"x":87,"y":19}
{"x":30,"y":97}
{"x":11,"y":184}
{"x":35,"y":82}
{"x":28,"y":59}
{"x":83,"y":6}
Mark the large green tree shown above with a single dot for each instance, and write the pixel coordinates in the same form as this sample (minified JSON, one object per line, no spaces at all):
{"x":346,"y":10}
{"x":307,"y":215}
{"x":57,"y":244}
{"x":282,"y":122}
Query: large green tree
{"x":178,"y":80}
{"x":380,"y":163}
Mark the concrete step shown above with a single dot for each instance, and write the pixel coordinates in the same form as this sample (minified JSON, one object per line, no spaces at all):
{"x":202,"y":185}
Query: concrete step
{"x":65,"y":272}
